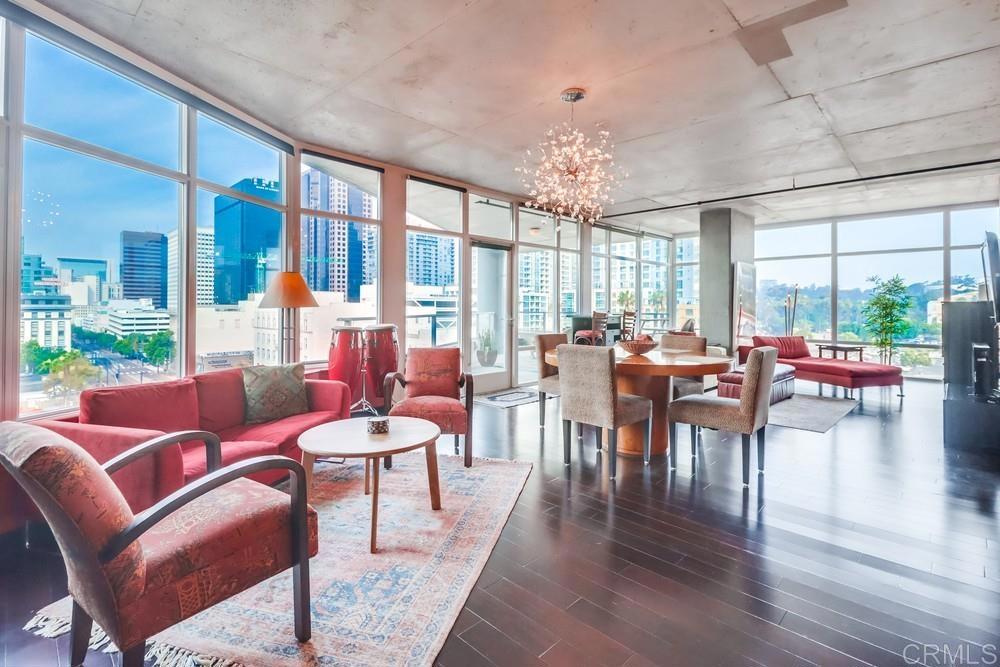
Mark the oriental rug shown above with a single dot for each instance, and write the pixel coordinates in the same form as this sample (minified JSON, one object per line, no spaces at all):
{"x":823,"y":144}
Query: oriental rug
{"x":394,"y":607}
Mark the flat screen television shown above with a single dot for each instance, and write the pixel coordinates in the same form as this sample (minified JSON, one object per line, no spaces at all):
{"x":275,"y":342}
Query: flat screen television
{"x":991,"y":269}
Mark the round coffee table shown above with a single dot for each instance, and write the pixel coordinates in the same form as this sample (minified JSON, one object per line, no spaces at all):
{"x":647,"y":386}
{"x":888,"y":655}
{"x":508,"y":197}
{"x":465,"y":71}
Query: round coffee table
{"x":349,"y":439}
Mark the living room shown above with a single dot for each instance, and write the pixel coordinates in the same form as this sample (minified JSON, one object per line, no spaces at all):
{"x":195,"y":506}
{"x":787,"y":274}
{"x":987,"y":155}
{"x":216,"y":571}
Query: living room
{"x":451,"y":332}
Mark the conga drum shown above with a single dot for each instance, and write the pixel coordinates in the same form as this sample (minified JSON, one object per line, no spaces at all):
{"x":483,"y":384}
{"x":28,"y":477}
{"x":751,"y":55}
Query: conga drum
{"x":346,"y":358}
{"x":381,"y":357}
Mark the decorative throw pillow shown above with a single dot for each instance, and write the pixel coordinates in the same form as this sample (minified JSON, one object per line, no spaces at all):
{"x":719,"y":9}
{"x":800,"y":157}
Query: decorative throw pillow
{"x":273,"y":392}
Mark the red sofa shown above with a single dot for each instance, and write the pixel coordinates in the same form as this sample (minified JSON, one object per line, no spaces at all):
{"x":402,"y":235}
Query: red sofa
{"x":851,"y":374}
{"x":113,"y":419}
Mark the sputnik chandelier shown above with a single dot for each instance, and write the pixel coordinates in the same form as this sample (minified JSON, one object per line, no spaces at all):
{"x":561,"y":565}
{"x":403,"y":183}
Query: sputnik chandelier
{"x":569,"y":173}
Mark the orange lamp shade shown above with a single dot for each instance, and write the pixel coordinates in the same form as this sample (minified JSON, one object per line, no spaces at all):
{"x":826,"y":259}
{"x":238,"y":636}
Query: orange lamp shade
{"x":288,"y":290}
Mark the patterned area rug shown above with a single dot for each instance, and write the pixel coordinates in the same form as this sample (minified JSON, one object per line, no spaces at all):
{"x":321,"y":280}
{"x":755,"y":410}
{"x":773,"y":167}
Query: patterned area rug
{"x":508,"y":398}
{"x":395,"y":607}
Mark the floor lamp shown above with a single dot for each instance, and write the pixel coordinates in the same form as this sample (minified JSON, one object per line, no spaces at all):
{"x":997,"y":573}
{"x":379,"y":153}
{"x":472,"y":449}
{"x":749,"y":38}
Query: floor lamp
{"x":289,"y":292}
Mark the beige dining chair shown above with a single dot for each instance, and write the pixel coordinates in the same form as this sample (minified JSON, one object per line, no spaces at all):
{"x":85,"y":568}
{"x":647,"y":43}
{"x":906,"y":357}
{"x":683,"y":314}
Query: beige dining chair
{"x":746,"y":415}
{"x":548,"y":375}
{"x":588,"y":394}
{"x":687,"y":386}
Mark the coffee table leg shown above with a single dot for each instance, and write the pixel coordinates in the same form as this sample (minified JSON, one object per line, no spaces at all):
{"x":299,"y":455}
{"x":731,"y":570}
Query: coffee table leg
{"x":430,"y":451}
{"x":368,"y":474}
{"x":375,"y":467}
{"x":307,"y":463}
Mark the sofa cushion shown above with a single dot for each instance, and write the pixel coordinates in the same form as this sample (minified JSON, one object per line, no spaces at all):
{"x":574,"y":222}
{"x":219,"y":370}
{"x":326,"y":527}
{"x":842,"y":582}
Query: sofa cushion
{"x":789,"y":347}
{"x":220,"y":399}
{"x":274,"y":392}
{"x":282,"y":432}
{"x":161,"y":406}
{"x":448,"y":413}
{"x":843,"y":368}
{"x":232,"y":452}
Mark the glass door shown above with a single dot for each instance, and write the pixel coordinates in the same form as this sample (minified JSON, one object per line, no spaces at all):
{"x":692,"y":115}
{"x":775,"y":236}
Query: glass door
{"x":536,"y":283}
{"x":490,"y":317}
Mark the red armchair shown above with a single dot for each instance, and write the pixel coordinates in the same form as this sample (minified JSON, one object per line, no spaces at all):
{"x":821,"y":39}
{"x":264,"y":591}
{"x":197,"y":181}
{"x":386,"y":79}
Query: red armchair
{"x":137,"y":575}
{"x":433,"y":383}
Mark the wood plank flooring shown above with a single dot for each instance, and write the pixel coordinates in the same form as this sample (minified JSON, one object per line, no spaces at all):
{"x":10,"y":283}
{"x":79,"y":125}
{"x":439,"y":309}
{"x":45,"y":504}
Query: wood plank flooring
{"x":866,"y":545}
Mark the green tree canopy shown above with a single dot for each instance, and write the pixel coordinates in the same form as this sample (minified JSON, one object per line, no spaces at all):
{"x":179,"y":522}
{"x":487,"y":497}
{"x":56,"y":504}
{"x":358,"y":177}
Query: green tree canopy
{"x":68,"y":373}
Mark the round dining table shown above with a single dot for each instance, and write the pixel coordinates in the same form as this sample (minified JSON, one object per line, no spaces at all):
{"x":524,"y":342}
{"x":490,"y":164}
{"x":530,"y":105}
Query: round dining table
{"x":651,"y":376}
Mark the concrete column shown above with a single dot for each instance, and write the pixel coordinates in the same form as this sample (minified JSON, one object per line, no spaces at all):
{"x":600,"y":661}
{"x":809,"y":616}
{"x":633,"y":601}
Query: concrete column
{"x":393,"y":268}
{"x":726,"y":238}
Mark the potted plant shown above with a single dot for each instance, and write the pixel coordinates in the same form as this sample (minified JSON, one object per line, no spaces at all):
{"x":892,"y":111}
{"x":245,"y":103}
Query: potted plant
{"x":885,"y":314}
{"x":486,"y":351}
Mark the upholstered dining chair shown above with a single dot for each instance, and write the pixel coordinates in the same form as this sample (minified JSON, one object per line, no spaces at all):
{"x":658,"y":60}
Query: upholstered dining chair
{"x":136,"y":575}
{"x":628,"y":325}
{"x":433,"y":380}
{"x":548,"y":375}
{"x":588,"y":394}
{"x":596,"y":334}
{"x":686,"y":386}
{"x":746,"y":415}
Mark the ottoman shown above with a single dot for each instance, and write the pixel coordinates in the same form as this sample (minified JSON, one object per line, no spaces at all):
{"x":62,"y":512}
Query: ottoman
{"x":782,"y":387}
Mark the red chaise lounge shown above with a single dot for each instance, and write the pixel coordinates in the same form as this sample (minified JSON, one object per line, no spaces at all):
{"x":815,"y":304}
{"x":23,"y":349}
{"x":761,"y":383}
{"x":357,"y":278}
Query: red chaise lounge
{"x":850,"y":374}
{"x":114,"y":419}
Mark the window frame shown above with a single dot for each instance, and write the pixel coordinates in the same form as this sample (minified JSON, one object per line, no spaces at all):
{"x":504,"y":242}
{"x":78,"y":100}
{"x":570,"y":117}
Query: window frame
{"x":14,"y":132}
{"x":946,"y":248}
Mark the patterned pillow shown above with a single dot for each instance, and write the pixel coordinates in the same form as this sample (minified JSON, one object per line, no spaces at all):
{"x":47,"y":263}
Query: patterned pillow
{"x":273,"y":392}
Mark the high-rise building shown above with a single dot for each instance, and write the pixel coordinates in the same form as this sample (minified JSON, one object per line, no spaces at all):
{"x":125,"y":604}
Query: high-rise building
{"x":143,"y":267}
{"x":338,"y":255}
{"x":247,"y":241}
{"x":430,"y":259}
{"x":535,"y":282}
{"x":204,"y":268}
{"x":73,"y":269}
{"x":37,"y":276}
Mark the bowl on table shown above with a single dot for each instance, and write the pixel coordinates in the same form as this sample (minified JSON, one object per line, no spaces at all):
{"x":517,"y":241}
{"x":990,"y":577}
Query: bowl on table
{"x":637,"y":346}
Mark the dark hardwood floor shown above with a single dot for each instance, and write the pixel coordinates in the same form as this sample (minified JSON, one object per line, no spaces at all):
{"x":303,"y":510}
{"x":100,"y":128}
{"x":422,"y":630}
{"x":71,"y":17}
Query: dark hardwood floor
{"x":869,"y":544}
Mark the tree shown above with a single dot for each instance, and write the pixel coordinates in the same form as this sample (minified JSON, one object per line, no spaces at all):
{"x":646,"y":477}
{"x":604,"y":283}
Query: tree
{"x":131,"y":345}
{"x":159,"y":348}
{"x":626,"y":299}
{"x":34,"y":355}
{"x":70,"y":372}
{"x":885,"y":314}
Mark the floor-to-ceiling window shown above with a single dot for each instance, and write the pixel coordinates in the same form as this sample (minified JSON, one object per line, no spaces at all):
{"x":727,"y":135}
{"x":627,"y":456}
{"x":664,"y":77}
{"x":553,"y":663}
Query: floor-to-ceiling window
{"x":240,"y":215}
{"x":98,"y":224}
{"x":339,"y":236}
{"x":537,"y":282}
{"x":569,"y":273}
{"x":491,"y":223}
{"x":433,"y":256}
{"x":654,"y":310}
{"x":686,"y":277}
{"x":142,"y":219}
{"x":830,"y":266}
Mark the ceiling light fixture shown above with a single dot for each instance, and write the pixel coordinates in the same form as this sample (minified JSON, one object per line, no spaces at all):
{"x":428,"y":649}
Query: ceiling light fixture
{"x":571,"y":174}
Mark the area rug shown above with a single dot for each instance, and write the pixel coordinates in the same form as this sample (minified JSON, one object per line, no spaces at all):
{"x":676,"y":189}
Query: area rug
{"x":395,"y":607}
{"x":508,"y":398}
{"x":810,"y":413}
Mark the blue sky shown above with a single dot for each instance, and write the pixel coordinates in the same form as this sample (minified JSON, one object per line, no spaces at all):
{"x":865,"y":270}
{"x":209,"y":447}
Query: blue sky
{"x":75,"y":205}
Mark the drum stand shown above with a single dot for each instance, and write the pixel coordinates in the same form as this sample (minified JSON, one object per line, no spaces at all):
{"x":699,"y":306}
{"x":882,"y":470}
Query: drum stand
{"x":364,"y":405}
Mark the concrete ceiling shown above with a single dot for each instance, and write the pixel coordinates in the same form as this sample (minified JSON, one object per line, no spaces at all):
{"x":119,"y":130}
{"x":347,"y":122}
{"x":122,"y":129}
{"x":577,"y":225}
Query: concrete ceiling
{"x":705,"y":98}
